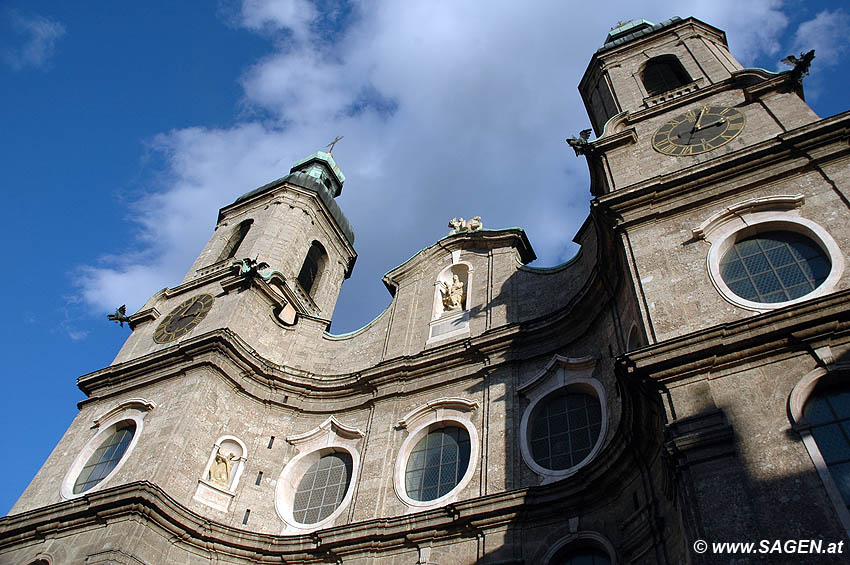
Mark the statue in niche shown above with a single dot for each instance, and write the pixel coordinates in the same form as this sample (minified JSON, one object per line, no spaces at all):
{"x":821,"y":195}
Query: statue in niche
{"x":452,"y":294}
{"x":220,"y":469}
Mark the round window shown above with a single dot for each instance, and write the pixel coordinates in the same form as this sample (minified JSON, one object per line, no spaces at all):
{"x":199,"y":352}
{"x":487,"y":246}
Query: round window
{"x":774,"y":266}
{"x":564,"y":428}
{"x":105,"y":457}
{"x":322,"y":488}
{"x":437,"y":463}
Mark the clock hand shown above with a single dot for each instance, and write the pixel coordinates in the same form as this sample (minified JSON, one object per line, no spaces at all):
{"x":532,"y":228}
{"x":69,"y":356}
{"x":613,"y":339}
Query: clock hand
{"x":696,"y":126}
{"x":712,"y":124}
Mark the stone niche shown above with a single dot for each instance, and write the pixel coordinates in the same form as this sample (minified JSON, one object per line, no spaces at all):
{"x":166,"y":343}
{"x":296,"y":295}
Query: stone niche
{"x":452,"y":298}
{"x":218,"y":482}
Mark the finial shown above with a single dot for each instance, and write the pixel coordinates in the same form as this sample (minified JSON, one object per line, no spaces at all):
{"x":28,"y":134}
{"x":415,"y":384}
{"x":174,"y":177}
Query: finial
{"x":619,"y":23}
{"x":332,"y":143}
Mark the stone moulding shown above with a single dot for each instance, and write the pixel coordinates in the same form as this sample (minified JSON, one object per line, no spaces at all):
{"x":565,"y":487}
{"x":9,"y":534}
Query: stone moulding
{"x":780,"y":203}
{"x":133,"y":410}
{"x":267,"y":381}
{"x":329,"y":426}
{"x":142,"y":316}
{"x":446,"y":412}
{"x":561,"y":373}
{"x":137,"y":403}
{"x":162,"y":514}
{"x":454,"y":403}
{"x":738,"y":342}
{"x":568,"y":363}
{"x":773,"y":213}
{"x":328,"y":437}
{"x":827,"y":136}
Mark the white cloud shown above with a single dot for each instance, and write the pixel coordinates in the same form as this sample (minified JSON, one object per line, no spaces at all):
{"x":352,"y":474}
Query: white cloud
{"x":447,"y":110}
{"x":39,"y":37}
{"x":827,"y":34}
{"x":293,"y":15}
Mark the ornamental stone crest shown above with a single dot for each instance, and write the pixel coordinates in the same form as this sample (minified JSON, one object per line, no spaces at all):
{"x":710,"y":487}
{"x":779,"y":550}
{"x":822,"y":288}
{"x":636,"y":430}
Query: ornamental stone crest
{"x":459,"y":224}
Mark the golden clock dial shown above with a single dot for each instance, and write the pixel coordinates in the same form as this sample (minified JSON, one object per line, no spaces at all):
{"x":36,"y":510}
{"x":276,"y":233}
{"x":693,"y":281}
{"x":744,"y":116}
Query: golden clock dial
{"x":698,"y":131}
{"x":183,"y":318}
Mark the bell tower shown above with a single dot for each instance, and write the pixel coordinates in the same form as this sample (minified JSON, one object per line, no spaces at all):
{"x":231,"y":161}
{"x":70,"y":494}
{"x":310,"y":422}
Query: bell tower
{"x":273,"y":267}
{"x":658,"y":93}
{"x":295,"y":226}
{"x":697,"y":162}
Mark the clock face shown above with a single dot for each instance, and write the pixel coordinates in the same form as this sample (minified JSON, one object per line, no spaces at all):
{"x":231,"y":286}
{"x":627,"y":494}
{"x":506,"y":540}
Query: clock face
{"x":698,"y":131}
{"x":184,"y":318}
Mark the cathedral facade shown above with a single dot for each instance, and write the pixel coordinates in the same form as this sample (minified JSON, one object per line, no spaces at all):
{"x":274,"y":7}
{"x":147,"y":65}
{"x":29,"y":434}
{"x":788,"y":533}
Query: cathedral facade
{"x":682,"y":379}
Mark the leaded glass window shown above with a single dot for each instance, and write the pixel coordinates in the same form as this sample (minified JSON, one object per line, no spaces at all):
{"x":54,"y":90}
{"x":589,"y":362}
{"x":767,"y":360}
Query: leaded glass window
{"x":322,"y":488}
{"x":105,"y":457}
{"x":774,"y":266}
{"x":828,"y":413}
{"x":437,"y":463}
{"x":564,"y":429}
{"x":584,"y":556}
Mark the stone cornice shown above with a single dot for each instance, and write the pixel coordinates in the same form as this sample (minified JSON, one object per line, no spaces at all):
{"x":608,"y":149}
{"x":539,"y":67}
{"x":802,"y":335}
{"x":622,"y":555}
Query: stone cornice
{"x":613,"y":53}
{"x":597,"y":484}
{"x":226,"y":353}
{"x":780,"y":333}
{"x":467,"y":240}
{"x":753,"y":165}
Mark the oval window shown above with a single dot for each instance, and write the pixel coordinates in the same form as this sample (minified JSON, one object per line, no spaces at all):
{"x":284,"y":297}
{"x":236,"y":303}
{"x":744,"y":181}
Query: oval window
{"x":437,"y":463}
{"x":322,"y":488}
{"x":564,"y":428}
{"x":105,"y":457}
{"x":774,"y":266}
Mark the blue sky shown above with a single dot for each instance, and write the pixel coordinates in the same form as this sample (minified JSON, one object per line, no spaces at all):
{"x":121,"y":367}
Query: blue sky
{"x":125,"y":126}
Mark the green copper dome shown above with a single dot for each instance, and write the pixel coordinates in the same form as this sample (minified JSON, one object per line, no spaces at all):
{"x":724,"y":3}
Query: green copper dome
{"x":318,"y":173}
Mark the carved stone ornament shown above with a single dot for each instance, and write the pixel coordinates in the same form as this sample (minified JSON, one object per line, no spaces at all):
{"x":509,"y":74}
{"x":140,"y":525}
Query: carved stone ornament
{"x":459,"y":224}
{"x":220,"y":469}
{"x":452,"y":294}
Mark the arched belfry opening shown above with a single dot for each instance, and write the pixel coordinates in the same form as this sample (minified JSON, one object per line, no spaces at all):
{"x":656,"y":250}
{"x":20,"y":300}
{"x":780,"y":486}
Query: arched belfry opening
{"x":664,"y":73}
{"x":236,"y":238}
{"x":314,"y":265}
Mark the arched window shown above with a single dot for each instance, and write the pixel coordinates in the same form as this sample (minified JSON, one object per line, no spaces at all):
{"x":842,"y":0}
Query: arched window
{"x":571,"y":555}
{"x":580,"y":548}
{"x":664,"y":73}
{"x":819,"y":410}
{"x":236,"y":239}
{"x":635,"y":339}
{"x":827,"y":411}
{"x":314,"y":265}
